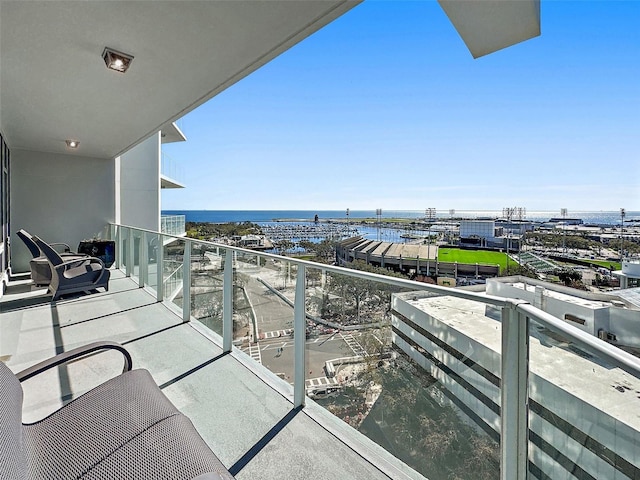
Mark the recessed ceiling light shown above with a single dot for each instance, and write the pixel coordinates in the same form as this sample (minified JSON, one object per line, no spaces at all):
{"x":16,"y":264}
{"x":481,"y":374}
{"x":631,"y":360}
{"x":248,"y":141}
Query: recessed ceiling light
{"x":72,"y":143}
{"x":115,"y":60}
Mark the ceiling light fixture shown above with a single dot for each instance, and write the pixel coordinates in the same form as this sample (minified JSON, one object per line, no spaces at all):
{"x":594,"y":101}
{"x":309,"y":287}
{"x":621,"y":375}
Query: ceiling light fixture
{"x":115,"y":60}
{"x":72,"y":143}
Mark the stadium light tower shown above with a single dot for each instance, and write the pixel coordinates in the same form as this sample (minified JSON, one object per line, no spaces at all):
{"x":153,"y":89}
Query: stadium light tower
{"x":622,"y":214}
{"x":452,"y":212}
{"x":348,"y":223}
{"x":563,"y":212}
{"x":430,"y":214}
{"x":509,"y":213}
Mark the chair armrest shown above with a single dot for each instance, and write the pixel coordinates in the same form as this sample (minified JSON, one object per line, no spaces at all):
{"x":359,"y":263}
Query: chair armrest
{"x":72,"y":354}
{"x":67,"y":248}
{"x":208,"y":476}
{"x":67,"y":263}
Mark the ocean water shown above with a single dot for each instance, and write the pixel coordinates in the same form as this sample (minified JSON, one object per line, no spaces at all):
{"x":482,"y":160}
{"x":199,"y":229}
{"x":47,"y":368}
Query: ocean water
{"x":267,"y":216}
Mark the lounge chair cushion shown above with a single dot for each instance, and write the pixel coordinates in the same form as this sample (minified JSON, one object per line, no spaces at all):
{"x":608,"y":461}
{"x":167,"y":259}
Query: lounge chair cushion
{"x":82,"y":269}
{"x":124,"y":428}
{"x":13,"y":461}
{"x":159,"y":450}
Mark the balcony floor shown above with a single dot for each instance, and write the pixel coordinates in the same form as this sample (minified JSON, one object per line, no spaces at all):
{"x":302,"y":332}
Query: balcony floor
{"x":243,"y":411}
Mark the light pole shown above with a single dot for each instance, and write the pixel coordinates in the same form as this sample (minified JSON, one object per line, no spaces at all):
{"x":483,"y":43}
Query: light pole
{"x":430,"y":215}
{"x":622,"y":214}
{"x":452,"y":212}
{"x":509,"y":213}
{"x":379,"y":218}
{"x":348,"y":223}
{"x":563,"y":212}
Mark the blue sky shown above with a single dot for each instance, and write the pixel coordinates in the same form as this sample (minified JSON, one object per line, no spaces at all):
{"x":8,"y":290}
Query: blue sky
{"x":386,"y":108}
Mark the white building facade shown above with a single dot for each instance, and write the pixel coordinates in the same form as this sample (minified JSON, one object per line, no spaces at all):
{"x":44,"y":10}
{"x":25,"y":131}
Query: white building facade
{"x":583,"y":416}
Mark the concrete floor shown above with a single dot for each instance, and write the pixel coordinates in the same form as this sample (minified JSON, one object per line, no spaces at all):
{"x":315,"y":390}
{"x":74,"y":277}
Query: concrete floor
{"x":243,"y":411}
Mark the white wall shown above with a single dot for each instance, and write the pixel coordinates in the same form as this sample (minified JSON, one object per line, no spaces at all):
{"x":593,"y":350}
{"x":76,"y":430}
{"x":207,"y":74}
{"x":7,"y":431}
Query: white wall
{"x":595,"y":318}
{"x":138,"y":185}
{"x":625,"y":325}
{"x":60,"y":198}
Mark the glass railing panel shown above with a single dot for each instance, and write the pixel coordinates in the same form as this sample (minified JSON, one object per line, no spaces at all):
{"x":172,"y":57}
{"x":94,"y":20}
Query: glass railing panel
{"x":137,"y":245}
{"x":207,"y":268}
{"x":263,"y":310}
{"x":153,"y":248}
{"x":408,"y":372}
{"x":171,"y":168}
{"x":173,"y":272}
{"x":583,"y":411}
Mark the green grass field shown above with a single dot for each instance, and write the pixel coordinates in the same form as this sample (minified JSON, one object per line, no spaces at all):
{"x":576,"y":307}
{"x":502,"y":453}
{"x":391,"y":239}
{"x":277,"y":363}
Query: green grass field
{"x":603,"y":263}
{"x":482,"y":257}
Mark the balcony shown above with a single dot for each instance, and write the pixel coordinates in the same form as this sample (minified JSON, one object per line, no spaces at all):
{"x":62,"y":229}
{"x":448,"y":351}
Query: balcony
{"x":173,"y":225}
{"x":240,"y":341}
{"x":171,"y":173}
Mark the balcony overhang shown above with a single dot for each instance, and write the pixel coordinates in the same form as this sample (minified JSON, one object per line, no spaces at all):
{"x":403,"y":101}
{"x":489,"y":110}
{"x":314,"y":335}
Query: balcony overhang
{"x":55,"y":86}
{"x":171,"y":133}
{"x":487,"y":26}
{"x":168,"y":182}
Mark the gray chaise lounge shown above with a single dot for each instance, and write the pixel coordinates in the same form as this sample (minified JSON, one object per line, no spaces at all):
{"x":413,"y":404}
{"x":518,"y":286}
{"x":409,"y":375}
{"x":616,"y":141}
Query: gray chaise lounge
{"x":40,"y":269}
{"x":68,"y":276}
{"x":124,"y":428}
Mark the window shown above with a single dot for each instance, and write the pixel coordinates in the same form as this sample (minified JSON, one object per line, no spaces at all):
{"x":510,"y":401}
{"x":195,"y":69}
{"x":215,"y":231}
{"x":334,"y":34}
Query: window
{"x":574,"y":319}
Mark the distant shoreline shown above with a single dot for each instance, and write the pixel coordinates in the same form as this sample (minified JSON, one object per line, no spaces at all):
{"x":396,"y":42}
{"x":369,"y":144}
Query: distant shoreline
{"x":607,"y":218}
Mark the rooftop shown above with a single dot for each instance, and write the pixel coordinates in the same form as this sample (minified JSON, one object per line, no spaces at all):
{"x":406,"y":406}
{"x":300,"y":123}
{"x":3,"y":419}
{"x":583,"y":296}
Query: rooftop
{"x":552,"y":357}
{"x":583,"y":302}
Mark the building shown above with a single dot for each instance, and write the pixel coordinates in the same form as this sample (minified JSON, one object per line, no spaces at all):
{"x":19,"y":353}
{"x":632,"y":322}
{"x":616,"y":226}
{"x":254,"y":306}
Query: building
{"x":630,"y":274}
{"x":478,"y":232}
{"x":492,"y":233}
{"x":613,"y":316}
{"x":579,"y":426}
{"x":418,"y":259}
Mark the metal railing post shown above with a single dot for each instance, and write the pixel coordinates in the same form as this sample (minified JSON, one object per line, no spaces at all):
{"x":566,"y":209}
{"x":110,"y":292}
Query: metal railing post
{"x":299,"y":338}
{"x":160,"y":270}
{"x":118,"y":239}
{"x":143,"y":259}
{"x":227,"y":302}
{"x":129,"y":268}
{"x":514,"y":395}
{"x":186,"y":282}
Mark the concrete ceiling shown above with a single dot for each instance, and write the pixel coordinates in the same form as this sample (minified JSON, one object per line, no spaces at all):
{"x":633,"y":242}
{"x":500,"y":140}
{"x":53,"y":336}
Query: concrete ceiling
{"x":490,"y":25}
{"x":54,"y":84}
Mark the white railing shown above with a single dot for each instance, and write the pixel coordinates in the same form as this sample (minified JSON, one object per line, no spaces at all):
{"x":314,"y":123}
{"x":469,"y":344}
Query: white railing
{"x":516,"y":316}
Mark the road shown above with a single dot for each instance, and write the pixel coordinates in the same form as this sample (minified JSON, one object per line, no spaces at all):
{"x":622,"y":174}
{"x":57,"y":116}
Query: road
{"x":274,"y":347}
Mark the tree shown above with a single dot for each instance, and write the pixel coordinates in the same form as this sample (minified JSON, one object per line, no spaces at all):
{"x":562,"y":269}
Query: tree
{"x":284,"y":245}
{"x":569,"y":277}
{"x":360,"y":291}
